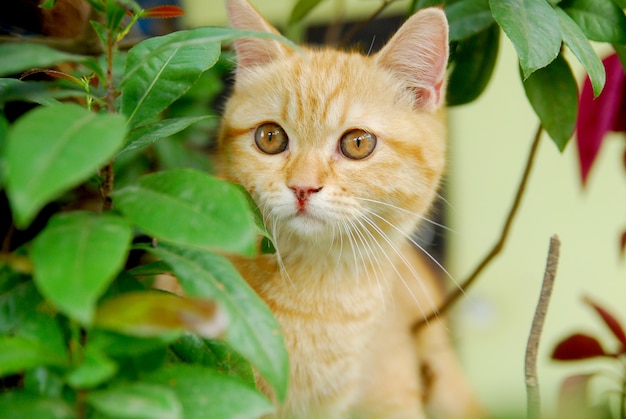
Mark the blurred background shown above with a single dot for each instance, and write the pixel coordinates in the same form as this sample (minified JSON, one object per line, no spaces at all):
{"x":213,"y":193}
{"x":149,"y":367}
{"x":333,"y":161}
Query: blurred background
{"x":489,"y":143}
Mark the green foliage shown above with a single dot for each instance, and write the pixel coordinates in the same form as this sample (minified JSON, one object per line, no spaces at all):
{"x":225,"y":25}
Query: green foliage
{"x":82,"y":331}
{"x":540,"y":30}
{"x":51,"y":149}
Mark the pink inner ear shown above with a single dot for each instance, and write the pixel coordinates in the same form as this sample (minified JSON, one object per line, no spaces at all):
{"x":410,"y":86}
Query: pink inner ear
{"x":418,"y":55}
{"x":251,"y":51}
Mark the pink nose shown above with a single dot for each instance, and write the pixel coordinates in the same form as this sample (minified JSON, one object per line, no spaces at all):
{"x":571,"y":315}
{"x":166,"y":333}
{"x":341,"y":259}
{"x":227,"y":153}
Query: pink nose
{"x":303,"y":193}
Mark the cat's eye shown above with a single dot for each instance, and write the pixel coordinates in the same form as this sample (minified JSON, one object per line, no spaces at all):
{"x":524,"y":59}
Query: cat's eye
{"x":270,"y":138}
{"x":357,"y":144}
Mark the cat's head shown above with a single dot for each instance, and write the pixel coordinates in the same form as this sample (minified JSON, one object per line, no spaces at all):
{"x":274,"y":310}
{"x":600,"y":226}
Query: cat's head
{"x":332,"y":143}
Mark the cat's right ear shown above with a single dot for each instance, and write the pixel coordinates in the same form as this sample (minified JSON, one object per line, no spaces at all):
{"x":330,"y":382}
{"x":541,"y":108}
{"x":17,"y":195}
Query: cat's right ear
{"x":252,"y":52}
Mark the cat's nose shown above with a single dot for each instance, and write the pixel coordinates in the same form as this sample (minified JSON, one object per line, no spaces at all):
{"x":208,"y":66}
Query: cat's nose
{"x":304,"y":192}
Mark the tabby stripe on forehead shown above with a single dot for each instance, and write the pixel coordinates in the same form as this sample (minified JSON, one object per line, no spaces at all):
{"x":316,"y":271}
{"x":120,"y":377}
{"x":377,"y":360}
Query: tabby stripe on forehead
{"x":332,"y":97}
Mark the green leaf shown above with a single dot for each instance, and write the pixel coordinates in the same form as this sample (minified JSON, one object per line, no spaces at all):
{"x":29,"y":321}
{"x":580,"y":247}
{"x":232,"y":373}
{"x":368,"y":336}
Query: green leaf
{"x":577,"y":42}
{"x":620,"y":50}
{"x":34,"y":323}
{"x":24,"y":405}
{"x":95,"y":369}
{"x":18,"y":354}
{"x":533,"y":28}
{"x":51,"y":149}
{"x":620,"y":3}
{"x":215,"y":354}
{"x":117,"y":345}
{"x":42,"y":93}
{"x":137,"y":401}
{"x":553,"y":94}
{"x":190,"y":207}
{"x":205,"y":393}
{"x":145,"y":135}
{"x":474,"y":62}
{"x":76,"y":257}
{"x":161,"y":69}
{"x":153,"y":313}
{"x":301,"y":9}
{"x":467,"y":18}
{"x":19,"y":57}
{"x":252,"y":329}
{"x":600,"y":20}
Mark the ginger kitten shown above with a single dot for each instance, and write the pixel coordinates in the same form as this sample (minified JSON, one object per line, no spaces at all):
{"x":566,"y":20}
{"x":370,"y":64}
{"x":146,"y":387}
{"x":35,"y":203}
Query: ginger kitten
{"x":343,"y":154}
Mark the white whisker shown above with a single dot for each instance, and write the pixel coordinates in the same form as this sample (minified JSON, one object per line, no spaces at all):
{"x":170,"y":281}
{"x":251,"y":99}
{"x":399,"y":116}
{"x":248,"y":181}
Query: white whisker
{"x":421,"y":217}
{"x":415,"y":275}
{"x":421,"y":248}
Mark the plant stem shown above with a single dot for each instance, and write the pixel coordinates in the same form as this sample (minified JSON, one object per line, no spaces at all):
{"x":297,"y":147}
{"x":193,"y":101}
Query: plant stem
{"x":533,"y":398}
{"x":108,"y":174}
{"x":497,"y":248}
{"x":622,"y":404}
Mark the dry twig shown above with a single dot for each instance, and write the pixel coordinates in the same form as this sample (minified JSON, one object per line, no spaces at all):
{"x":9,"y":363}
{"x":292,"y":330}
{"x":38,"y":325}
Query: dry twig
{"x":532,"y":384}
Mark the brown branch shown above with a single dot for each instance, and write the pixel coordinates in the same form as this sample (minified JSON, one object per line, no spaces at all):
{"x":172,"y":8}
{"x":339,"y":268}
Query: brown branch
{"x":497,"y":248}
{"x":108,"y":174}
{"x":356,"y":28}
{"x":533,"y":401}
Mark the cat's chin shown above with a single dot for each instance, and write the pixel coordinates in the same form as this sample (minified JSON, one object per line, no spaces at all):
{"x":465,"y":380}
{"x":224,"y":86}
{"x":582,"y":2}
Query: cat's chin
{"x":306,"y":225}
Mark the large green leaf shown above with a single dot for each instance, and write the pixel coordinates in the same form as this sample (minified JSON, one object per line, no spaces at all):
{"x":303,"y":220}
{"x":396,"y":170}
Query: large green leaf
{"x":24,"y":405}
{"x":467,"y":18}
{"x":18,"y":57}
{"x":205,"y":393}
{"x":154,"y":313}
{"x":145,"y":135}
{"x":76,"y":257}
{"x":216,"y":354}
{"x":534,"y":29}
{"x":474,"y":62}
{"x":137,"y":401}
{"x":18,"y":354}
{"x":252,"y":329}
{"x":51,"y":149}
{"x":577,"y":42}
{"x":190,"y":207}
{"x":553,"y":94}
{"x":161,"y":69}
{"x":600,"y":20}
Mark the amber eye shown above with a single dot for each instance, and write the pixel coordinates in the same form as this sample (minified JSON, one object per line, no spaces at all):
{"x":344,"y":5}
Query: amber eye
{"x":357,"y":144}
{"x":271,"y":138}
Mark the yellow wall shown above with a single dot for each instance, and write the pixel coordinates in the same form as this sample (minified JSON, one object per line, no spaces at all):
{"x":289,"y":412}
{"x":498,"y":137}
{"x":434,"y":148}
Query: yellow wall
{"x":489,"y":141}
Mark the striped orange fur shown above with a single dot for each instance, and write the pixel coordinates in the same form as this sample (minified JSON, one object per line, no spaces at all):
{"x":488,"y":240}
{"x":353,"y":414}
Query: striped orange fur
{"x":343,"y":153}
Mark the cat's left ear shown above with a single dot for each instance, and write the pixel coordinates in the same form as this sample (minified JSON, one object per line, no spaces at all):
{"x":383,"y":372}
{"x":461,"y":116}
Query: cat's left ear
{"x":252,"y":51}
{"x":418,"y":55}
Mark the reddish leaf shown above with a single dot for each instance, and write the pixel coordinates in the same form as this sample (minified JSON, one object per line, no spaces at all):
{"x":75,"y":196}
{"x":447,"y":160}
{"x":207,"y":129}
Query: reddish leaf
{"x":623,"y":243}
{"x":578,"y":346}
{"x":597,"y":117}
{"x":52,"y":73}
{"x":610,"y":321}
{"x":163,"y":12}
